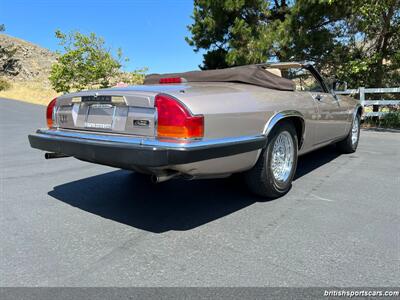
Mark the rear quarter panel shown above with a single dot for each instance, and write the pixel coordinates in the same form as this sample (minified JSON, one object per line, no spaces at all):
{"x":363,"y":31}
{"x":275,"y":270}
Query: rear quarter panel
{"x":233,"y":109}
{"x":348,"y":106}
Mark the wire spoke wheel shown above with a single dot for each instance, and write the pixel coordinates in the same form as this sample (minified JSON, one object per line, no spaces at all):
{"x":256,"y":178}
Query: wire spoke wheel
{"x":282,"y":157}
{"x":272,"y":175}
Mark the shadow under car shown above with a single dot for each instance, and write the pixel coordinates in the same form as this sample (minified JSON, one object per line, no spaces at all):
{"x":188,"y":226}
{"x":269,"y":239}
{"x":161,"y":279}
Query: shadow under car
{"x":131,"y":199}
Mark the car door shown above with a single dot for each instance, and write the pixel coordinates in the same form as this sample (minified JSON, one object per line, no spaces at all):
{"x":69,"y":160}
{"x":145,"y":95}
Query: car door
{"x":331,"y":117}
{"x":330,"y":120}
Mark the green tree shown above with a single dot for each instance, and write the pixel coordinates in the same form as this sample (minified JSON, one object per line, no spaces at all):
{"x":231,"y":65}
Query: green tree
{"x":132,"y":78}
{"x":230,"y":31}
{"x":373,"y":51}
{"x":354,"y":40}
{"x":9,"y":65}
{"x":236,"y":32}
{"x":87,"y":63}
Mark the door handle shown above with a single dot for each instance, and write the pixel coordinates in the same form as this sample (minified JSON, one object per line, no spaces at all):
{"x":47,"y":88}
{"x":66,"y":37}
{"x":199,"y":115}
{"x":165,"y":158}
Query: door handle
{"x":318,"y":97}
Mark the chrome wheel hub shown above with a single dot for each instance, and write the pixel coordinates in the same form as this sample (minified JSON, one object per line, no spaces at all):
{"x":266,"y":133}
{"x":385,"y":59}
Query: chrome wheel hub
{"x":282,"y":156}
{"x":354,"y":131}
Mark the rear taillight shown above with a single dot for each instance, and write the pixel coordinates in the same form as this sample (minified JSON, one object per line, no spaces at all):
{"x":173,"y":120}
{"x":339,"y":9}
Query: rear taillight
{"x":49,"y":112}
{"x":175,"y":120}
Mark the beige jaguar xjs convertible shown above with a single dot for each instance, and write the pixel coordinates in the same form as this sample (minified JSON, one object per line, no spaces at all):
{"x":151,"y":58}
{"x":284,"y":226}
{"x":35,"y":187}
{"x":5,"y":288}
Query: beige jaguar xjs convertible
{"x":255,"y":120}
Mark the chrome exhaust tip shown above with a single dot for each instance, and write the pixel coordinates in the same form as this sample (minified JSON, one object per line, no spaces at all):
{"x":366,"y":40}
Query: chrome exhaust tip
{"x":51,"y":155}
{"x":162,"y":178}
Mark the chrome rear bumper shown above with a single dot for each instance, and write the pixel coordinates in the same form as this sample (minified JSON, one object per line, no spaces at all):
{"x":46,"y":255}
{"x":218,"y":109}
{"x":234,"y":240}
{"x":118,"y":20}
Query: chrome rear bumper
{"x":125,"y":151}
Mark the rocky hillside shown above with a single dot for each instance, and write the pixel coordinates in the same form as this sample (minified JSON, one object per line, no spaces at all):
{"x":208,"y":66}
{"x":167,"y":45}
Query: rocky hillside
{"x":33,"y":60}
{"x":29,"y":75}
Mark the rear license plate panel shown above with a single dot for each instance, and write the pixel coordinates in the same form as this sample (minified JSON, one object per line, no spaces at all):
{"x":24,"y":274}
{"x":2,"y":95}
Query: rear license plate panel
{"x":100,"y":116}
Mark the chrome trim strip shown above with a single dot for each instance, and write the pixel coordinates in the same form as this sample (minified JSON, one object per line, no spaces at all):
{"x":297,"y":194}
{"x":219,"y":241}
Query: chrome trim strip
{"x":149,"y":142}
{"x":279,"y":116}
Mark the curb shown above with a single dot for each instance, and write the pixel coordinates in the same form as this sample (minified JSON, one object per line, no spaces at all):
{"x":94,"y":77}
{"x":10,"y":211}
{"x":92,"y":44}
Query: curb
{"x":380,"y":129}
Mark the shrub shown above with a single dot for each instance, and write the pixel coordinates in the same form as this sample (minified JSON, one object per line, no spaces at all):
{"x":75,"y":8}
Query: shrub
{"x":4,"y":85}
{"x":129,"y":78}
{"x":389,"y":120}
{"x":88,"y":63}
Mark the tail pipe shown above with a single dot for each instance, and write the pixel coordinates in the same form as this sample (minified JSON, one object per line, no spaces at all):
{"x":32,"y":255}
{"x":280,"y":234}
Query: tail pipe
{"x":51,"y":155}
{"x":162,"y":178}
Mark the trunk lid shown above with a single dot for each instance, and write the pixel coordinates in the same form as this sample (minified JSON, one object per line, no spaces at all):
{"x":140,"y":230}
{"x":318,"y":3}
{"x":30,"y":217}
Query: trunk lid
{"x":130,"y":110}
{"x":117,"y":110}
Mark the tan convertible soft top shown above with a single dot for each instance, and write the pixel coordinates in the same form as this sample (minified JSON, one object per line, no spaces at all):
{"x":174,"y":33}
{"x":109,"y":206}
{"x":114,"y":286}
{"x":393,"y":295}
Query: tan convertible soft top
{"x":251,"y":74}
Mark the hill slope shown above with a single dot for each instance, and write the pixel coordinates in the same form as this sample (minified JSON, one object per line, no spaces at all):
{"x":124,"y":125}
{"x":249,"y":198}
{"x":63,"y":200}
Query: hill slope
{"x":30,"y":79}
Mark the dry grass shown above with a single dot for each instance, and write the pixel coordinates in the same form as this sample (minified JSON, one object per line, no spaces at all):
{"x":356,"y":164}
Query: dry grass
{"x":34,"y":91}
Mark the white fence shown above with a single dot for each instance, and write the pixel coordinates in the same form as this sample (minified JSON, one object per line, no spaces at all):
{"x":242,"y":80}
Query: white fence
{"x":362,"y":91}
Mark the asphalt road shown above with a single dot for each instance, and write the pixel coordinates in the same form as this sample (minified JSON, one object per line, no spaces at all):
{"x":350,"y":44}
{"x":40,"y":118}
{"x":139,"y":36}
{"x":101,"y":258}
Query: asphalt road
{"x":64,"y":222}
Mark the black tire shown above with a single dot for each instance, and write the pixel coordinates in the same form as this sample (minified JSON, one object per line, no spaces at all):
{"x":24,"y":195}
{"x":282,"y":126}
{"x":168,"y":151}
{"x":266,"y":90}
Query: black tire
{"x":260,"y":179}
{"x":347,"y":145}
